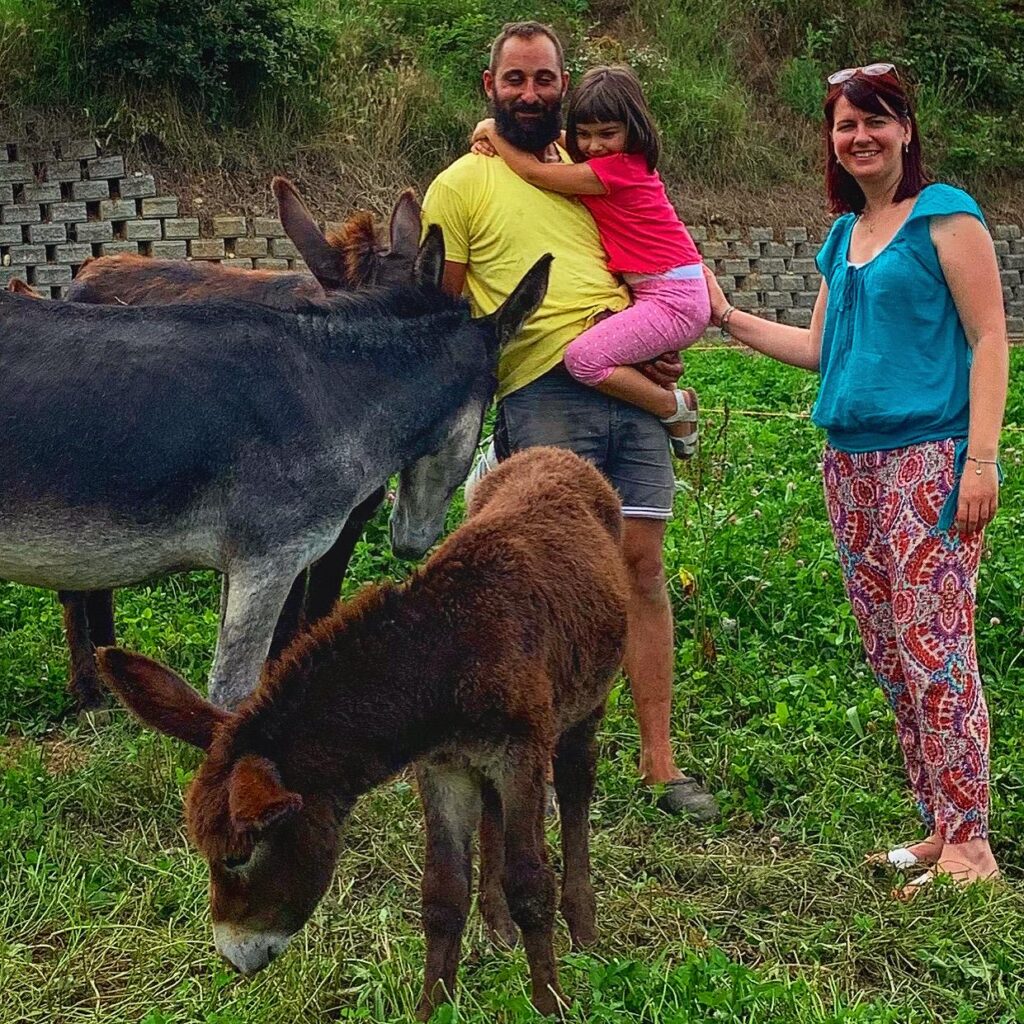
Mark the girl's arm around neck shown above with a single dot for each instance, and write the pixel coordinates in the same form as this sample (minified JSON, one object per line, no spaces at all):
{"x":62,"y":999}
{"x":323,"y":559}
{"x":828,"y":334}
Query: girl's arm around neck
{"x":797,"y":346}
{"x":568,"y":179}
{"x":968,"y":260}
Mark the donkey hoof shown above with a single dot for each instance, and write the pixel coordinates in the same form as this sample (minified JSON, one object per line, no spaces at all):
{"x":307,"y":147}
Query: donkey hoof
{"x":551,"y":1003}
{"x":90,"y":698}
{"x":583,"y":936}
{"x":94,"y":717}
{"x":502,"y":933}
{"x":426,"y":1007}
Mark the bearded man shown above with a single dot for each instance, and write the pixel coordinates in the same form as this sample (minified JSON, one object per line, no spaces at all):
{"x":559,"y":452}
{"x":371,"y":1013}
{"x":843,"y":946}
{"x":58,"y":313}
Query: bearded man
{"x":495,"y":226}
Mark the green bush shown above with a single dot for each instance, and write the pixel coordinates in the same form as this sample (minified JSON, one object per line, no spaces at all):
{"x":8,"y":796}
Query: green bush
{"x":802,"y":86}
{"x":975,"y":46}
{"x":218,"y":54}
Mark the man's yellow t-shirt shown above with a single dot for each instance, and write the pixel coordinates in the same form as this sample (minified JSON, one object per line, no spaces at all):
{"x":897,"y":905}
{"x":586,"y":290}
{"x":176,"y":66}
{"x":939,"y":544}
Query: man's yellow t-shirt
{"x":499,"y":226}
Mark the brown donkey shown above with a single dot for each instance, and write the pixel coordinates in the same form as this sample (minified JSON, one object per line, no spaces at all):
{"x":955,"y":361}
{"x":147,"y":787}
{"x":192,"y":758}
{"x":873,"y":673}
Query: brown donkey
{"x":492,"y":660}
{"x":355,"y":256}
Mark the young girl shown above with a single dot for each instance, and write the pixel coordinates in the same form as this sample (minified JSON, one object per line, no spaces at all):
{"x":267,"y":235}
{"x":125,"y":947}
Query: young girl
{"x":611,"y":135}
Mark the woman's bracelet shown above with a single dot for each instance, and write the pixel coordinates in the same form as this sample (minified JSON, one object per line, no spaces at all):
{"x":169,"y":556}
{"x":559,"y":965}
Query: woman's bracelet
{"x":981,"y":462}
{"x":723,"y":320}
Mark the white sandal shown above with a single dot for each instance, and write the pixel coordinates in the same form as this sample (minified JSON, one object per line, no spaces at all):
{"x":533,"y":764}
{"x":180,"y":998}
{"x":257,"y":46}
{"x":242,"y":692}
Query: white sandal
{"x":685,"y":446}
{"x":899,"y":859}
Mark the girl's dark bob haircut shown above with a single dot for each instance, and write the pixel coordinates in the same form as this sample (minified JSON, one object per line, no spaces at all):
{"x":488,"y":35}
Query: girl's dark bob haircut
{"x":875,"y":94}
{"x":613,"y":93}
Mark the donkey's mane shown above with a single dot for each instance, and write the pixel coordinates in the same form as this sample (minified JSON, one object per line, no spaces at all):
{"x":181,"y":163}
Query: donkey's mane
{"x":283,"y":688}
{"x":356,"y":240}
{"x":402,"y":301}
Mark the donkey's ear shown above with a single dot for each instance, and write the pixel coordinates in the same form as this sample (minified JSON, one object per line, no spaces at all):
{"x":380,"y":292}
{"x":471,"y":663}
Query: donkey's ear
{"x":429,"y":268}
{"x":527,"y":296}
{"x":324,"y":261}
{"x":406,"y":225}
{"x":256,"y":797}
{"x":19,"y":287}
{"x":159,"y":697}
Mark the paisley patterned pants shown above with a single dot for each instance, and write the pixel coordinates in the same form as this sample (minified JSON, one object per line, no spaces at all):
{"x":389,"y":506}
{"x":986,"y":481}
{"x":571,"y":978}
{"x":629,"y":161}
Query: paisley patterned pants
{"x":913,"y":594}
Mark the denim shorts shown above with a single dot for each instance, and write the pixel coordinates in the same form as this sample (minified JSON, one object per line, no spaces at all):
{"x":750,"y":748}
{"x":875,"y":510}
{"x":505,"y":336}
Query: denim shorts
{"x":628,"y":445}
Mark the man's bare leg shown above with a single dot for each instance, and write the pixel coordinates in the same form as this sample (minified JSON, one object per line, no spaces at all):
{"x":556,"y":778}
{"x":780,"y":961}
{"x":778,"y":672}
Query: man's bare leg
{"x":649,"y":664}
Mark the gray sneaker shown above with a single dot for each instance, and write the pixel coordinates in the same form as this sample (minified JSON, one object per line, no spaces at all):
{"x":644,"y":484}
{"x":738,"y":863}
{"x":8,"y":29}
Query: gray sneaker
{"x":688,"y":798}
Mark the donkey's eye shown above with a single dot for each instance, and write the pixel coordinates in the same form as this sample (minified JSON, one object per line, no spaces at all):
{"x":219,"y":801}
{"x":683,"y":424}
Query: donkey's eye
{"x":234,"y":863}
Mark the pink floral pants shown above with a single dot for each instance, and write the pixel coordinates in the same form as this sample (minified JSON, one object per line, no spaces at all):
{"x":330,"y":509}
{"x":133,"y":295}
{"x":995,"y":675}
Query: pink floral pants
{"x":913,"y":594}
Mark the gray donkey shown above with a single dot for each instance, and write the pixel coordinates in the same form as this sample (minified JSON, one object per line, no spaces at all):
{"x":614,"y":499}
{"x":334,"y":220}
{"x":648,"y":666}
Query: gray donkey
{"x":136,"y":441}
{"x":353,"y":256}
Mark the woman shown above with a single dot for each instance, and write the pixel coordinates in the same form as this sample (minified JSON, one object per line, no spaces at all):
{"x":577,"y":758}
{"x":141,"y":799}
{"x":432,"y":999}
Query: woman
{"x":909,"y":336}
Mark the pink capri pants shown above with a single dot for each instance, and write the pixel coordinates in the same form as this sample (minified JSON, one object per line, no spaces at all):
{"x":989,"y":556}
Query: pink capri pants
{"x":667,"y":314}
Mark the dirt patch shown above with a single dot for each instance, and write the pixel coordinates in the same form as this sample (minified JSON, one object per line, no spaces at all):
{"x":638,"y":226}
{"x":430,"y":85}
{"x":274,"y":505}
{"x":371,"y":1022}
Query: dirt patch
{"x":60,"y":756}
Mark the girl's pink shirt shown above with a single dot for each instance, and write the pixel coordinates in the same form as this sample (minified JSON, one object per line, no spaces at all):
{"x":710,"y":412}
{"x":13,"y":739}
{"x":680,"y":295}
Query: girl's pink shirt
{"x":639,"y":229}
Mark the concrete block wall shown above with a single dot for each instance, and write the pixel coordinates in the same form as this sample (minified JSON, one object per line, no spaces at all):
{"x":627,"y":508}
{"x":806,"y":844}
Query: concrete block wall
{"x":776,"y":277}
{"x":63,"y":203}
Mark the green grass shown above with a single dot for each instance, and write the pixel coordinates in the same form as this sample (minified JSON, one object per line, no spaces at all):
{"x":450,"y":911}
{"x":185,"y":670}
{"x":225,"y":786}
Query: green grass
{"x":766,"y":917}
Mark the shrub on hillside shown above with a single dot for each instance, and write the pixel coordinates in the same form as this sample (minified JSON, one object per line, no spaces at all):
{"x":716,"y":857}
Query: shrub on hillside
{"x":217,"y":53}
{"x":448,"y":44}
{"x":975,"y":46}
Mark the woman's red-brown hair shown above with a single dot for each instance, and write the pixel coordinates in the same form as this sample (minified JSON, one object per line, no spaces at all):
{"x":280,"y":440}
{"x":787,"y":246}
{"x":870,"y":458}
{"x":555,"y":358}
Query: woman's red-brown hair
{"x":876,"y":94}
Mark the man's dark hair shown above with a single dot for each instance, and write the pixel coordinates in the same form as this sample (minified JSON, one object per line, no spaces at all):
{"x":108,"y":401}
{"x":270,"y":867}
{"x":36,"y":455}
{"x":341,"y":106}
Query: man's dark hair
{"x":524,"y":30}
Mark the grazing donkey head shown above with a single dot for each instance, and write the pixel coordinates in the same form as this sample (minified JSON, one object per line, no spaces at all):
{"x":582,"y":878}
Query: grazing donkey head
{"x":352,"y":257}
{"x":426,"y":486}
{"x":271,"y":852}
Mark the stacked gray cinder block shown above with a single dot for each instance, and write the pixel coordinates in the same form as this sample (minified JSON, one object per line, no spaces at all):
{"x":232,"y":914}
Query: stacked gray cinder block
{"x":61,"y":204}
{"x":778,"y":279}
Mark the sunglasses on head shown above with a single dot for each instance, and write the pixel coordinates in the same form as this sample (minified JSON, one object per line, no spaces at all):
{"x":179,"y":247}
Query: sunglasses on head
{"x":837,"y":77}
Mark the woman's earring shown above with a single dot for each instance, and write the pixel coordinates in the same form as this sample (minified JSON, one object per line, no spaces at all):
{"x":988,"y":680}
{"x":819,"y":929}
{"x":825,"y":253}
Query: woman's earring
{"x":906,"y":148}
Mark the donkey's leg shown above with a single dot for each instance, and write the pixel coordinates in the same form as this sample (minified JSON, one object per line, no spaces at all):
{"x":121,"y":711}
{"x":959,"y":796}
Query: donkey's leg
{"x":84,"y":683}
{"x":255,"y":593}
{"x":451,"y":807}
{"x":528,"y":879}
{"x":326,"y":574}
{"x":501,"y":929}
{"x":99,"y":609}
{"x":291,"y":620}
{"x":575,"y":773}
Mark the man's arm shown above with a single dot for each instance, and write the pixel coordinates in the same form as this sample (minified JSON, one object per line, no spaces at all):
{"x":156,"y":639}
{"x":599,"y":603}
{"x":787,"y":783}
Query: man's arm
{"x":446,"y":206}
{"x":454,"y":281}
{"x":665,"y":370}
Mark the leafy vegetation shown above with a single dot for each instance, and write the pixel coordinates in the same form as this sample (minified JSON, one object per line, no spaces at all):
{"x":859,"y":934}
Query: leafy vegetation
{"x":766,"y":917}
{"x":736,"y":84}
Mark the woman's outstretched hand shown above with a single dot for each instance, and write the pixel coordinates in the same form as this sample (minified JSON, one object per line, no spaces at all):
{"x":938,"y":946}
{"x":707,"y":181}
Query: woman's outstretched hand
{"x":979,"y":498}
{"x":719,"y":303}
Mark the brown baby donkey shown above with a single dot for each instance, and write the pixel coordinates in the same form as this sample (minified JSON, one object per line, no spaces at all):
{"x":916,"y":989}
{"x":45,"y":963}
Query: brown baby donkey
{"x":493,"y":659}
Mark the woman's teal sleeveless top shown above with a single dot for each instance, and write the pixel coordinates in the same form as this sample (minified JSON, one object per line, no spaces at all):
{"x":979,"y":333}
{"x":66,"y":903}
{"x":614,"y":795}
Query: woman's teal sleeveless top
{"x":895,"y":361}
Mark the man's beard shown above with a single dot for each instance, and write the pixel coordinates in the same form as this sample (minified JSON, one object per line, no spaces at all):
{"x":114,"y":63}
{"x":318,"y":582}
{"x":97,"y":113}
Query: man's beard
{"x":531,"y":135}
